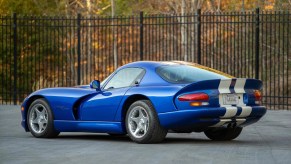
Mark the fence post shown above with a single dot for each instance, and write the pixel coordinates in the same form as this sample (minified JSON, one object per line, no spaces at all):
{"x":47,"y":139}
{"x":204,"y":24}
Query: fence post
{"x":15,"y":58}
{"x":199,"y":35}
{"x":79,"y":48}
{"x":257,"y":40}
{"x":141,"y":35}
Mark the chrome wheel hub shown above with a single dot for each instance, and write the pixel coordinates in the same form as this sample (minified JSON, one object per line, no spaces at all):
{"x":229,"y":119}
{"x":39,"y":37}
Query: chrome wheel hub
{"x":138,"y":122}
{"x":38,"y":118}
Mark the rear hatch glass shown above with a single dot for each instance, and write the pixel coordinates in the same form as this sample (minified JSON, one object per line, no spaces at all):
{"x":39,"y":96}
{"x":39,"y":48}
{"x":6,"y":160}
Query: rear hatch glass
{"x":183,"y":74}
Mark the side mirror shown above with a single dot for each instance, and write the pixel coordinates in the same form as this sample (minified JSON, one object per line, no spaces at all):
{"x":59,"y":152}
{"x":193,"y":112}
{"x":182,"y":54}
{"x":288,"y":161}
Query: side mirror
{"x":95,"y":84}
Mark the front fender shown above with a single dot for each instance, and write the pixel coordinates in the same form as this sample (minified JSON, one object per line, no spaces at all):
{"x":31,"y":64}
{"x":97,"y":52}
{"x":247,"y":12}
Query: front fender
{"x":61,"y":100}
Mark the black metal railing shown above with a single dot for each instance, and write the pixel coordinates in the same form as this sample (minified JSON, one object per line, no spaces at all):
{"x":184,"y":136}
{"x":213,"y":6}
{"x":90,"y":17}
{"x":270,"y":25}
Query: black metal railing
{"x":53,"y":51}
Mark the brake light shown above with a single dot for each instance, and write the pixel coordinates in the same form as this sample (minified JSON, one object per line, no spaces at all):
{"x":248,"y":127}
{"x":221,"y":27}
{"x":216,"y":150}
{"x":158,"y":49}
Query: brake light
{"x":194,"y":97}
{"x":258,"y":96}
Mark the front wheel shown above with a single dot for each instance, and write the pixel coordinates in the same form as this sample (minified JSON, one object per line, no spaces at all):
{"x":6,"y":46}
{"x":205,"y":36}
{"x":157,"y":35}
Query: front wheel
{"x":142,"y":123}
{"x":40,"y":120}
{"x":223,"y":134}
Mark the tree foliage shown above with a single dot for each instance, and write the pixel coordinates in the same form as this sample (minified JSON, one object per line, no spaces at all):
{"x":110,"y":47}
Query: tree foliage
{"x":128,"y":7}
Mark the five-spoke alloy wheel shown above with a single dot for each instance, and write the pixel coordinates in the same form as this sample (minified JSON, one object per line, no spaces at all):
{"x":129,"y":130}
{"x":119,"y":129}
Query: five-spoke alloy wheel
{"x":40,"y":119}
{"x":142,"y":123}
{"x":138,"y":122}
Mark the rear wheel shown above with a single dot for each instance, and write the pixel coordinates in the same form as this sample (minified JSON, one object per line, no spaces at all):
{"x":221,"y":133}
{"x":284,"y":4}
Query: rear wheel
{"x":142,"y":123}
{"x":223,"y":134}
{"x":40,"y":120}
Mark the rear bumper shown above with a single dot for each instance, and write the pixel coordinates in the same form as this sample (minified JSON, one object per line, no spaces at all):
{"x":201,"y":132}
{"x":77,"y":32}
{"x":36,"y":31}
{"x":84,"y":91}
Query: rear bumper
{"x":202,"y":118}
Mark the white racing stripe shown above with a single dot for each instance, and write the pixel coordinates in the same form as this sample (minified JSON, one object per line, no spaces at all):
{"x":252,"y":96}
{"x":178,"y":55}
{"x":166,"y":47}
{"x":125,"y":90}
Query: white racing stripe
{"x":239,"y":86}
{"x":230,"y":111}
{"x":224,"y":86}
{"x":221,"y":122}
{"x":246,"y":111}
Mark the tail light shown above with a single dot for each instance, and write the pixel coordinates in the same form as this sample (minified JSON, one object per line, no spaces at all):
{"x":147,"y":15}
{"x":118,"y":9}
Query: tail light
{"x":196,"y":99}
{"x":258,"y":96}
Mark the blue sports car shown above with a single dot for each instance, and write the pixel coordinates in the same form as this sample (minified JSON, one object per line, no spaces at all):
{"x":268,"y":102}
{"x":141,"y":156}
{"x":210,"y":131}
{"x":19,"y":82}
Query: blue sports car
{"x":146,"y":100}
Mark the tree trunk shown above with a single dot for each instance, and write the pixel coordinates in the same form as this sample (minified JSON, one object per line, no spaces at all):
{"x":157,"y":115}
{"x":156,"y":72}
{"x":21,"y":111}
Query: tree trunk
{"x":184,"y":31}
{"x":114,"y":32}
{"x":70,"y":53}
{"x":194,"y":29}
{"x":89,"y":44}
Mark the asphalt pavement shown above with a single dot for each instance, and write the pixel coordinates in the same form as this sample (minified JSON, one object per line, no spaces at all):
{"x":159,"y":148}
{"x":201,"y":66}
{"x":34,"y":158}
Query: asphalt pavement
{"x":266,"y":142}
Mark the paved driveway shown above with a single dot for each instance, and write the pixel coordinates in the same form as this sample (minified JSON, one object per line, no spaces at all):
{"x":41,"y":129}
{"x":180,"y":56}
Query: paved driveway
{"x":268,"y":141}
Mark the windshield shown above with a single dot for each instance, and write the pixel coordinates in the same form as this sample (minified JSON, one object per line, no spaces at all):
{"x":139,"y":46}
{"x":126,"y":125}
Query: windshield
{"x":186,"y":74}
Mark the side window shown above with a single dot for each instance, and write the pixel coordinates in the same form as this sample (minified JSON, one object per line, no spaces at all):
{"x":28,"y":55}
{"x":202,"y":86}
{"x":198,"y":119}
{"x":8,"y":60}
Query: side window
{"x":125,"y":78}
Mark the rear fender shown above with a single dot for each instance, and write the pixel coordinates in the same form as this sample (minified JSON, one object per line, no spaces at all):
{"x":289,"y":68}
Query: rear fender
{"x":161,"y":98}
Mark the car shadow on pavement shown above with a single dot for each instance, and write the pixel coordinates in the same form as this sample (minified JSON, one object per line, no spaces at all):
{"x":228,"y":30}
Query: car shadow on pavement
{"x":200,"y":140}
{"x":101,"y":137}
{"x":168,"y":140}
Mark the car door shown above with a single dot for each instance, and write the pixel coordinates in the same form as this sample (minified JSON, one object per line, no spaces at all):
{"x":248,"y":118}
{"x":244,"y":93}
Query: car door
{"x":104,"y":105}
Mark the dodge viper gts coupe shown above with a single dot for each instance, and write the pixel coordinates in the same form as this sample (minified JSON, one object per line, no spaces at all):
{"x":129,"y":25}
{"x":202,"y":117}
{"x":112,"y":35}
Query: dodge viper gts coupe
{"x":146,"y":100}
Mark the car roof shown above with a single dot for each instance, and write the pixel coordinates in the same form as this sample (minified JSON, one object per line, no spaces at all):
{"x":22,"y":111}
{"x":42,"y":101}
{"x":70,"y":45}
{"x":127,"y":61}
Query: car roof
{"x":152,"y":78}
{"x":148,"y":64}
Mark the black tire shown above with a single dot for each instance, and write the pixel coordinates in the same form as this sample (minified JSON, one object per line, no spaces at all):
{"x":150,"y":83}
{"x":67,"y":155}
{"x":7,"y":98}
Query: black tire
{"x":223,"y":134}
{"x":48,"y":131}
{"x":155,"y":133}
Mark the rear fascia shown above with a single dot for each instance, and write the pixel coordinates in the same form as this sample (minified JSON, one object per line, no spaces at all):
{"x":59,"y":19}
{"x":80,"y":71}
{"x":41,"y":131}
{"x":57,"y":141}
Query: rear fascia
{"x":204,"y":117}
{"x":215,"y":113}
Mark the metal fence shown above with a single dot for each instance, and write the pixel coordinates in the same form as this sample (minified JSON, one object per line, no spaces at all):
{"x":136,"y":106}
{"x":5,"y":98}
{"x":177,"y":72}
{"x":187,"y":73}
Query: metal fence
{"x":54,"y":51}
